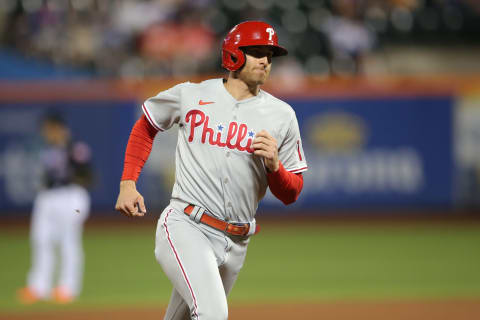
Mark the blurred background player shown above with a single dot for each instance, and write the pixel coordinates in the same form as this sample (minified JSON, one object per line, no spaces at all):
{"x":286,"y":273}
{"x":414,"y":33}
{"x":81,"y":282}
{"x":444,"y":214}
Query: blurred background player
{"x":59,"y":212}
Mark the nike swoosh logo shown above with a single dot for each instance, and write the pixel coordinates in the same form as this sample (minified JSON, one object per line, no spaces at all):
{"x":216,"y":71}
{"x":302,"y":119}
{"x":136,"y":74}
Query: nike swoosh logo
{"x":202,"y":103}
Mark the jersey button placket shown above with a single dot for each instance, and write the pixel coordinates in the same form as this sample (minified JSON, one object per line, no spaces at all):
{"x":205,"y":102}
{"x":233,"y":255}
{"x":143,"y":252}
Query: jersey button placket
{"x":228,"y":204}
{"x":229,"y":210}
{"x":235,"y":110}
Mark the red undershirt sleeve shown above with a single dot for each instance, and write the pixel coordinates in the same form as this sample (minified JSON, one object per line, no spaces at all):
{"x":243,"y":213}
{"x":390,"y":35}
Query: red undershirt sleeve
{"x":139,"y":147}
{"x":286,"y":186}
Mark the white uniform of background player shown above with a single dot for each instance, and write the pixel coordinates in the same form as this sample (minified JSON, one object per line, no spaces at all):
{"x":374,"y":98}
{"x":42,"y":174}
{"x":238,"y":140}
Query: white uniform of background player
{"x":219,"y":172}
{"x":58,"y":215}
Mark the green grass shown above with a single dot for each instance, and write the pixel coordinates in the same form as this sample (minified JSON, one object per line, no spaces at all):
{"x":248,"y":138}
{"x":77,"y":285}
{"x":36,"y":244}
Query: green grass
{"x":363,"y":263}
{"x":297,"y":263}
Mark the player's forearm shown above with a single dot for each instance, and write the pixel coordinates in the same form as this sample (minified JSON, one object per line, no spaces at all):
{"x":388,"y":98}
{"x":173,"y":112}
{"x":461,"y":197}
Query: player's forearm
{"x":286,"y":186}
{"x":138,"y":149}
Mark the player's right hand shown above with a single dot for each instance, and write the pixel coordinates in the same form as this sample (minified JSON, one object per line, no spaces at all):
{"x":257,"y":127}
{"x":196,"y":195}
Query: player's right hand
{"x":130,"y":202}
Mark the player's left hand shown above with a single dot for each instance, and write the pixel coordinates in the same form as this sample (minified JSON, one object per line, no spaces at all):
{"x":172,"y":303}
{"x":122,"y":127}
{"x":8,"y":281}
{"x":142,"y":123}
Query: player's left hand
{"x":265,"y":146}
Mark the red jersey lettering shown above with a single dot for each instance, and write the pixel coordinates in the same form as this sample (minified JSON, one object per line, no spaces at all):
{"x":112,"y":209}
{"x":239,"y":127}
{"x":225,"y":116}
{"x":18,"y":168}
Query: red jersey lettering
{"x":236,"y":133}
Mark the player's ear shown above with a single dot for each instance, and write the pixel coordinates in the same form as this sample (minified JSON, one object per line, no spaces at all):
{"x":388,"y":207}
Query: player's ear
{"x":232,"y":59}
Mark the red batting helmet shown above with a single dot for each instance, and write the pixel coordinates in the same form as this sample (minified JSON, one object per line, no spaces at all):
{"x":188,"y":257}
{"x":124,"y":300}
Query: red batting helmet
{"x":250,"y":33}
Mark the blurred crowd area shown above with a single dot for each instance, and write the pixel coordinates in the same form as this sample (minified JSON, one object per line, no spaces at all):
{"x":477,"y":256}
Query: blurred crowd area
{"x":144,"y":38}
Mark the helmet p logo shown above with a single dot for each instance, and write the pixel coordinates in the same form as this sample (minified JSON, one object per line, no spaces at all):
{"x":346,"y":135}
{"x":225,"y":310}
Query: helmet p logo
{"x":270,"y":32}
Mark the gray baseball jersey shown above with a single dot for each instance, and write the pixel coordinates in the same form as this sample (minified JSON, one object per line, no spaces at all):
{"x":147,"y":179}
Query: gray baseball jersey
{"x":215,"y":165}
{"x":216,"y":170}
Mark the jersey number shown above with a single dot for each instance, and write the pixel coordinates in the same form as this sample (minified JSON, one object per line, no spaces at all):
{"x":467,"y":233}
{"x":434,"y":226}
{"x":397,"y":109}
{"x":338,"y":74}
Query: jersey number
{"x":270,"y":32}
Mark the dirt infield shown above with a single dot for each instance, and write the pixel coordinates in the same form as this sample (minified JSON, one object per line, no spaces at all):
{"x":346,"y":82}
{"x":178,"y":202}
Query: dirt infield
{"x":411,"y":310}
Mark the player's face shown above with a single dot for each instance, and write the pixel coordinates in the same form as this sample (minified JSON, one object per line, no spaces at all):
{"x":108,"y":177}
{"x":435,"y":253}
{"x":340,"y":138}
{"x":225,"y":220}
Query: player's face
{"x":257,"y":65}
{"x":54,"y":133}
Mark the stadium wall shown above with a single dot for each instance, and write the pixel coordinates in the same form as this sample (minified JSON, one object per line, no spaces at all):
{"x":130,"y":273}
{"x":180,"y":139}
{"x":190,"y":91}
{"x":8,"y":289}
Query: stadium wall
{"x":389,"y":142}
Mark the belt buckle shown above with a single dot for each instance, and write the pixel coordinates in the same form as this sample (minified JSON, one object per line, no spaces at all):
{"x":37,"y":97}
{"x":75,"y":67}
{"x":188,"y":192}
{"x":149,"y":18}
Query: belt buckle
{"x":238,"y":226}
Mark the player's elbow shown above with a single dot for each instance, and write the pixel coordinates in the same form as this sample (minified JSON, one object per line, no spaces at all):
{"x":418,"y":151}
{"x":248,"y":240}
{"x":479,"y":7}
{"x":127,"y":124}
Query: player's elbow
{"x":293,"y":193}
{"x":290,"y":197}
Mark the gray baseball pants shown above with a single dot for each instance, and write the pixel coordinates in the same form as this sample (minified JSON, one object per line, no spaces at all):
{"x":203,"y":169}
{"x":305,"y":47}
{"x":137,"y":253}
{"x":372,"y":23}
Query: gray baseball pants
{"x":202,"y":263}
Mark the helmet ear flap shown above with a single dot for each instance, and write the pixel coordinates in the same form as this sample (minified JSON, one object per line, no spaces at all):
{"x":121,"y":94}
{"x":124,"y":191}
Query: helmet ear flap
{"x":232,"y":59}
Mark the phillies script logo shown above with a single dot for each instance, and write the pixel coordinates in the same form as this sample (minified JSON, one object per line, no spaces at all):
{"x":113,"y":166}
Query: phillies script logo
{"x":236,"y":133}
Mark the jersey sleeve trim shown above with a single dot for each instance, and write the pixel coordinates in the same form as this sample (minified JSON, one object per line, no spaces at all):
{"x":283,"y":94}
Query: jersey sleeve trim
{"x":150,"y":118}
{"x":298,"y":170}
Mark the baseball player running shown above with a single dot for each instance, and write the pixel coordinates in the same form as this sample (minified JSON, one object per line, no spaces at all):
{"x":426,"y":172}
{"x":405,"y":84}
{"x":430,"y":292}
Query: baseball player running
{"x":234,"y":141}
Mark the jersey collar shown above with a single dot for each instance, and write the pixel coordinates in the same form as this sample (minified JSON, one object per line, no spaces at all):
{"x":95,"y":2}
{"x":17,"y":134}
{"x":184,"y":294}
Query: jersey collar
{"x":255,"y":99}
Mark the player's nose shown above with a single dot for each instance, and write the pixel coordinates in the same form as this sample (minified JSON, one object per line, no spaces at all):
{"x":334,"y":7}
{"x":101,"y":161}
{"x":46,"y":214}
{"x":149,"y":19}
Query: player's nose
{"x":263,"y":61}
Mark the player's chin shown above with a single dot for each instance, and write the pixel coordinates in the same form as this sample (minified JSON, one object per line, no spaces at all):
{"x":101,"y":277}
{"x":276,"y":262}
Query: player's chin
{"x":260,"y":75}
{"x":261,"y":79}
